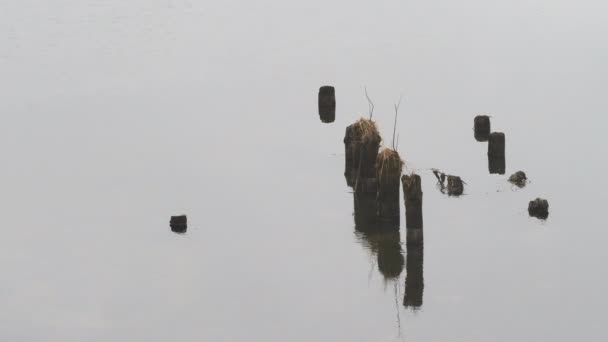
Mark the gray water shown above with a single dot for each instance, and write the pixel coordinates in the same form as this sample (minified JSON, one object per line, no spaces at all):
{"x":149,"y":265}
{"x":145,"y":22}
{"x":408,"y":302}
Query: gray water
{"x":116,"y":115}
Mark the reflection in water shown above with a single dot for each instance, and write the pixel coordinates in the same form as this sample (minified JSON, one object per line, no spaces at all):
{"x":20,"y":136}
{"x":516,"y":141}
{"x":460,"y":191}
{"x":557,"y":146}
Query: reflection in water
{"x":384,"y":242}
{"x":414,"y":279}
{"x":386,"y":245}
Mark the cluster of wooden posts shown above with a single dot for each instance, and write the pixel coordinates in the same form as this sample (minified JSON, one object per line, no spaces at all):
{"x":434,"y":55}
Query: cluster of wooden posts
{"x":539,"y":207}
{"x":376,"y":178}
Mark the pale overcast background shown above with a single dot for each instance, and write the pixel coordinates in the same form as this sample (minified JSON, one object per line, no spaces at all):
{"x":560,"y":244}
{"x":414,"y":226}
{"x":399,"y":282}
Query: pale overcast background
{"x":115,"y":115}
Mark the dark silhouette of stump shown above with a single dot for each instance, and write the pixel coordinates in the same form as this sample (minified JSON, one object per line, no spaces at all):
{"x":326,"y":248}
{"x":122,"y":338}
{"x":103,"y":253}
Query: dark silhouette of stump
{"x":496,"y":153}
{"x":519,"y":178}
{"x":327,"y":104}
{"x":179,"y":224}
{"x":361,"y":145}
{"x":414,"y":280}
{"x":388,"y":174}
{"x":366,"y":206}
{"x":455,"y":186}
{"x":482,"y":127}
{"x":412,"y":196}
{"x":539,"y":208}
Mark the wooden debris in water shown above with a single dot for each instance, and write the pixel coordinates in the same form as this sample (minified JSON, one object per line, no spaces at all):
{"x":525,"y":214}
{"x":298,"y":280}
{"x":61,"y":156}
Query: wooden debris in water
{"x":519,"y":178}
{"x":539,"y":208}
{"x":179,"y":224}
{"x":455,"y":186}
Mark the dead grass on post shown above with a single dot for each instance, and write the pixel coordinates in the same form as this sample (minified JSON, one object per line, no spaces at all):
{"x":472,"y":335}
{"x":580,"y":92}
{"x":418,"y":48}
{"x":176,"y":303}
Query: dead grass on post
{"x":388,"y":165}
{"x":366,"y":131}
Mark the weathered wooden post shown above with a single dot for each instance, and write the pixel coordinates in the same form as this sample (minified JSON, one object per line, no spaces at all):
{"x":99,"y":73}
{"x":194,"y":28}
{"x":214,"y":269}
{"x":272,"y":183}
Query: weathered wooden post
{"x":414,"y":280}
{"x":482,"y":127}
{"x":366,"y":207}
{"x":388,"y":173}
{"x":539,"y":208}
{"x":412,"y":196}
{"x":496,"y":153}
{"x":361,"y":145}
{"x":327,"y":104}
{"x":179,"y":224}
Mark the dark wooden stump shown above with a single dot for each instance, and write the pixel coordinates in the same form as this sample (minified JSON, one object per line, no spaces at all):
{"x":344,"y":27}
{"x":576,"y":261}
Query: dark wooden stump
{"x":414,"y":280}
{"x":496,"y":153}
{"x":539,"y":208}
{"x":389,"y":212}
{"x":412,"y":196}
{"x":482,"y":127}
{"x":360,"y":156}
{"x":327,"y":104}
{"x":366,"y":206}
{"x":179,"y":224}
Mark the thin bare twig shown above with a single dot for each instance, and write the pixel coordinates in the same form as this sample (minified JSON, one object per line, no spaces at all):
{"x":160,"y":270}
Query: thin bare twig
{"x":395,"y":125}
{"x":370,"y":104}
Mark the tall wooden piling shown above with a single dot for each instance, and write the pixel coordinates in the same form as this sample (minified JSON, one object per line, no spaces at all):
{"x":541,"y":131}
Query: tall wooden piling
{"x":361,"y":145}
{"x":388,"y":173}
{"x":481,"y":127}
{"x":412,"y":196}
{"x":496,"y":153}
{"x":414,"y":280}
{"x":327,"y":104}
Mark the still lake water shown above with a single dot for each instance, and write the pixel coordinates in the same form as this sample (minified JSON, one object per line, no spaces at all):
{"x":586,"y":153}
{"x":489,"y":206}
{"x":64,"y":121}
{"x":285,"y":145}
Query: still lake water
{"x":116,"y":115}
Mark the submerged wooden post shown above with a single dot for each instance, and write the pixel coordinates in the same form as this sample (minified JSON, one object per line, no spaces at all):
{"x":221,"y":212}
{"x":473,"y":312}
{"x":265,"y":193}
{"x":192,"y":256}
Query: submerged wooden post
{"x":539,"y":208}
{"x":179,"y":224}
{"x":412,"y":196}
{"x":482,"y":127}
{"x":388,"y":174}
{"x":361,"y":145}
{"x":414,"y":280}
{"x":327,"y":104}
{"x":496,"y":153}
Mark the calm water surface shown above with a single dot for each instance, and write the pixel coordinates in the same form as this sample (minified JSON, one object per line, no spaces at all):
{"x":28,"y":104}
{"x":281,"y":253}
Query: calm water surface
{"x":116,"y":115}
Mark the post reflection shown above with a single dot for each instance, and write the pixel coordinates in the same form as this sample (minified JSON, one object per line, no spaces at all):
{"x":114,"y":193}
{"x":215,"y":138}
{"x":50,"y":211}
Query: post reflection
{"x":384,"y":242}
{"x":414,"y":279}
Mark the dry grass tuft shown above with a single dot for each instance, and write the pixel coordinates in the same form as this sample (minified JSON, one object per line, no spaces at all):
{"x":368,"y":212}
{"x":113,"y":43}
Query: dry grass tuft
{"x":367,"y":131}
{"x":388,"y":166}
